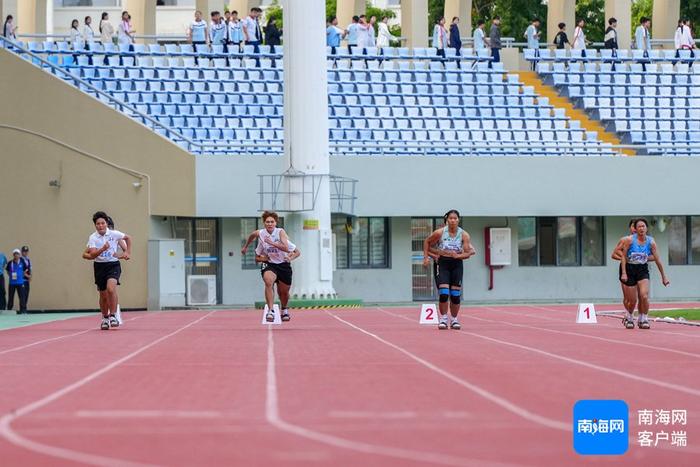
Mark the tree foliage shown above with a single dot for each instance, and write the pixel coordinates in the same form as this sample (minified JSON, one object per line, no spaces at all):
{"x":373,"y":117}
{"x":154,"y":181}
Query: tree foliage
{"x":642,"y":8}
{"x":593,"y":13}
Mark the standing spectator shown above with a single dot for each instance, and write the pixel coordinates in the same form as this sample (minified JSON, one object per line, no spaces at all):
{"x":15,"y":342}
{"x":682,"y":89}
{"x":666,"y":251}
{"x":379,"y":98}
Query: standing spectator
{"x":561,"y":39}
{"x":363,"y":33}
{"x":217,"y":29}
{"x":198,"y":32}
{"x":611,"y":36}
{"x":106,"y":29}
{"x":353,"y":33}
{"x":9,"y":29}
{"x":532,"y":34}
{"x":333,"y":34}
{"x":235,"y":30}
{"x":371,"y":32}
{"x":76,"y":37}
{"x":15,"y":271}
{"x":252,"y":33}
{"x":273,"y":34}
{"x":27,"y":272}
{"x":440,"y":37}
{"x":580,"y":38}
{"x":683,"y":38}
{"x":478,"y":36}
{"x":455,"y":36}
{"x":3,"y":263}
{"x":88,"y":33}
{"x":125,"y":34}
{"x":384,"y":37}
{"x":642,"y":37}
{"x":495,"y":40}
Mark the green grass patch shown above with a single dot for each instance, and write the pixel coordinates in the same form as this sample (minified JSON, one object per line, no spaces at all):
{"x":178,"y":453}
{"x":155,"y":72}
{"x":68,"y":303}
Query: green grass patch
{"x":691,"y":314}
{"x":10,"y":320}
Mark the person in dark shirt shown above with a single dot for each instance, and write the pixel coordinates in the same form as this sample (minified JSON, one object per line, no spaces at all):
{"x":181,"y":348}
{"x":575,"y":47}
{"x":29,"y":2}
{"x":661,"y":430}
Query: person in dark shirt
{"x":455,"y":39}
{"x":272,"y":34}
{"x":611,"y":34}
{"x":560,"y":40}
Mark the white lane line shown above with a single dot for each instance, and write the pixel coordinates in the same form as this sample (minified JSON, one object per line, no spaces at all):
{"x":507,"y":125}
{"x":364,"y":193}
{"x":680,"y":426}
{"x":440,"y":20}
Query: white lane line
{"x":44,"y":341}
{"x":488,"y":395}
{"x":7,"y":432}
{"x":570,"y":333}
{"x":560,"y":312}
{"x":624,"y":374}
{"x":190,"y":414}
{"x":273,"y":417}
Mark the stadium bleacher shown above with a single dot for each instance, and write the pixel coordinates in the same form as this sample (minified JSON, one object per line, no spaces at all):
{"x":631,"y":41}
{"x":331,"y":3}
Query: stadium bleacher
{"x":396,"y":98}
{"x":652,"y":100}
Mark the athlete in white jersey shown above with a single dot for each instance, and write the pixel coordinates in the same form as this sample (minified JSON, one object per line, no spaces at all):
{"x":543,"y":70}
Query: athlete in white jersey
{"x":273,"y":254}
{"x":454,"y":246}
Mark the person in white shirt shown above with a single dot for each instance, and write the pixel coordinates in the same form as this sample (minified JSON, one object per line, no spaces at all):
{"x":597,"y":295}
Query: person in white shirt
{"x":125,"y":34}
{"x":478,"y":36}
{"x":76,"y":37}
{"x":371,"y":32}
{"x":440,"y":41}
{"x":252,"y":33}
{"x":103,"y":247}
{"x":363,"y":33}
{"x":384,"y":37}
{"x":88,"y":33}
{"x":642,"y":37}
{"x":106,"y":29}
{"x":9,"y":30}
{"x":683,"y":39}
{"x":198,"y":31}
{"x":273,"y":252}
{"x":217,"y":29}
{"x":235,"y":30}
{"x":580,"y":41}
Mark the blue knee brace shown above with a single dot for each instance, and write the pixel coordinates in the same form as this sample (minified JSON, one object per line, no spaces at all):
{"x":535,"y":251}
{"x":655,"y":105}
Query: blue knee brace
{"x":444,"y":295}
{"x":455,"y":296}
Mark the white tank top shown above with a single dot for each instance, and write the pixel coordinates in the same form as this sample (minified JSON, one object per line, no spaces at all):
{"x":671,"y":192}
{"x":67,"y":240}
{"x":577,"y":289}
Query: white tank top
{"x":276,"y":255}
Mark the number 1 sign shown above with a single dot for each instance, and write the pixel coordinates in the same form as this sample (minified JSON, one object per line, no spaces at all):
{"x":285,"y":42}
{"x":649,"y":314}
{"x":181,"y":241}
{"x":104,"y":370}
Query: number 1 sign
{"x":586,"y":313}
{"x":429,"y":314}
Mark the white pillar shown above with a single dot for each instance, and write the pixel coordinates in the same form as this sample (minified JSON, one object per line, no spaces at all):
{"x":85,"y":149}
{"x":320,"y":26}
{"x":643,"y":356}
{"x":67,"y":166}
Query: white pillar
{"x":306,"y":141}
{"x":463,"y":10}
{"x":560,"y":11}
{"x":414,"y":22}
{"x":664,"y":21}
{"x":143,"y":16}
{"x":622,"y":11}
{"x":242,"y":6}
{"x":346,"y":9}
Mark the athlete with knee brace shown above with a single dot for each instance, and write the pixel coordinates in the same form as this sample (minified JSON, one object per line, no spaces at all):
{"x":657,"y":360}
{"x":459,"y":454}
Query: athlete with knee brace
{"x":453,"y":247}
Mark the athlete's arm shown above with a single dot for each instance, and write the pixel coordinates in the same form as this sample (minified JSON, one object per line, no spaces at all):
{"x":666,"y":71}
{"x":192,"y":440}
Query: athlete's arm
{"x":467,"y":249}
{"x":617,"y":251}
{"x":293,"y":255}
{"x":127,"y":253}
{"x":664,"y":279}
{"x":282,"y":245}
{"x":432,"y":238}
{"x":261,"y":259}
{"x":86,"y":253}
{"x":623,"y":259}
{"x":93,"y":253}
{"x":253,"y":235}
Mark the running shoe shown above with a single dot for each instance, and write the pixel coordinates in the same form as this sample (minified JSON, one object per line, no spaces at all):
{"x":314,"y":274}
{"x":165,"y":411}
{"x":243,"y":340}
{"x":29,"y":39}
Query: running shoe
{"x":270,"y":317}
{"x":105,"y":324}
{"x":455,"y":324}
{"x":628,"y":323}
{"x":443,"y":323}
{"x":113,"y":321}
{"x":285,"y":315}
{"x":644,"y":325}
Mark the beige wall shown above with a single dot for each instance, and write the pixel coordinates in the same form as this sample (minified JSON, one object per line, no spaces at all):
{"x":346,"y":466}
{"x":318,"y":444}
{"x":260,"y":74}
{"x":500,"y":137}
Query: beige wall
{"x":55,"y":222}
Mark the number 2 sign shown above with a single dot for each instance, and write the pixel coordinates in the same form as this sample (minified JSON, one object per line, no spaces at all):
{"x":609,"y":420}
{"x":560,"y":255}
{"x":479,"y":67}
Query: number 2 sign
{"x":428,"y":314}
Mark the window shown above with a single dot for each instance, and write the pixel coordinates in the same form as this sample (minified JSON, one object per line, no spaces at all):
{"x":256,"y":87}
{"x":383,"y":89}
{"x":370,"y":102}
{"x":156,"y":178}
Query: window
{"x":560,"y":241}
{"x":248,"y":224}
{"x":201,"y":245}
{"x":684,"y":240}
{"x":103,"y":3}
{"x":361,"y":242}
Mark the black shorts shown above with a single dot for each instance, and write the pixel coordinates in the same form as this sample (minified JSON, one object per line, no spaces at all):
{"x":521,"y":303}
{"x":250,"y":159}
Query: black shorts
{"x":106,"y":271}
{"x":635,"y":273}
{"x":449,"y":271}
{"x":283,"y":271}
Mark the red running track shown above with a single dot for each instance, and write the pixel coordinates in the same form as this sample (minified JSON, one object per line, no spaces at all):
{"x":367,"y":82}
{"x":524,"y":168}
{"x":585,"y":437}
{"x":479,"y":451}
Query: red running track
{"x":354,"y":387}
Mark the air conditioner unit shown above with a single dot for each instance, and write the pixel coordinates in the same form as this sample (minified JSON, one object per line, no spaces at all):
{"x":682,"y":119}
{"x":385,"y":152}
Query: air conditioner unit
{"x":201,"y":290}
